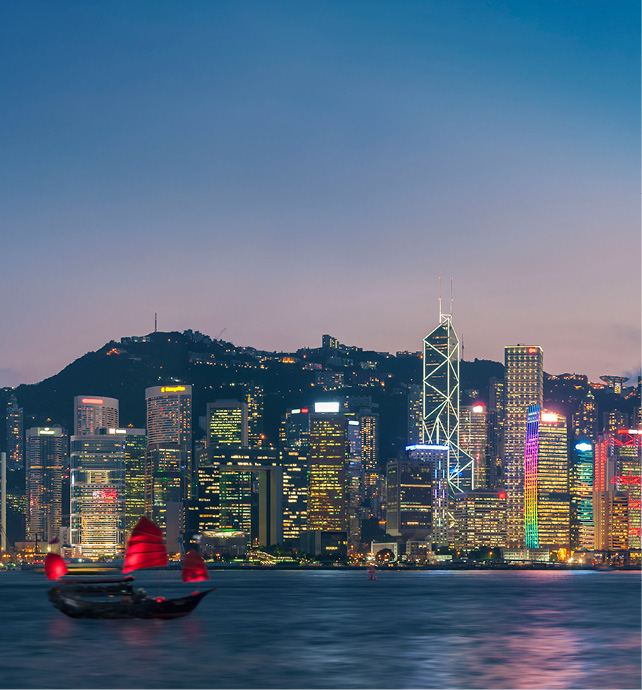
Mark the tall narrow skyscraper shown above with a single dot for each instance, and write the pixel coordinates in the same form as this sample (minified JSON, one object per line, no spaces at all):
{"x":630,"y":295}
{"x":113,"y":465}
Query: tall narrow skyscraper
{"x":98,"y":494}
{"x":169,"y":425}
{"x":15,"y":435}
{"x":327,"y":502}
{"x":46,"y":460}
{"x":473,"y":437}
{"x":524,"y":385}
{"x":441,"y":401}
{"x":546,"y":478}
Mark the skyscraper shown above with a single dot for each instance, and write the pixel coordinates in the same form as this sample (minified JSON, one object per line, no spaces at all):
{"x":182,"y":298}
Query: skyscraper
{"x":581,"y":490}
{"x":547,"y":499}
{"x":93,"y":412}
{"x":435,"y":456}
{"x":135,"y":450}
{"x":441,"y":400}
{"x":46,"y":460}
{"x":415,"y":415}
{"x":369,"y":437}
{"x":616,"y":499}
{"x":524,"y":379}
{"x":585,"y":419}
{"x":255,"y":395}
{"x":480,"y":519}
{"x":241,"y":489}
{"x":15,"y":435}
{"x":496,"y":404}
{"x":409,"y":495}
{"x":98,"y":494}
{"x":169,"y":425}
{"x":473,"y":437}
{"x":169,"y":414}
{"x":227,"y":424}
{"x":327,"y":503}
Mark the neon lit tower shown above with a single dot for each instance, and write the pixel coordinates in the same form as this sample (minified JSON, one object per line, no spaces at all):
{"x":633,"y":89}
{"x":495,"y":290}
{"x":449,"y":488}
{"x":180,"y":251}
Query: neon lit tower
{"x":546,"y":497}
{"x":530,"y":476}
{"x":441,"y":400}
{"x":524,"y":386}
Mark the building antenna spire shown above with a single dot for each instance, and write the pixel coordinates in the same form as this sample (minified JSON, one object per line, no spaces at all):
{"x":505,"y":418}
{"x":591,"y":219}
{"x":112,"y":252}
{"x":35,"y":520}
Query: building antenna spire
{"x":451,"y":297}
{"x":155,"y":322}
{"x":439,"y":298}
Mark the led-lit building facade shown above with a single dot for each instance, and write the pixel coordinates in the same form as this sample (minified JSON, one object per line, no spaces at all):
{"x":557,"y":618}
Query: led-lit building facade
{"x":409,"y":494}
{"x":441,"y":401}
{"x":435,"y":456}
{"x":473,"y":438}
{"x":480,"y":519}
{"x":15,"y":435}
{"x":581,"y":490}
{"x":524,"y":386}
{"x":227,"y":424}
{"x":546,"y":480}
{"x":616,"y":498}
{"x":327,"y":502}
{"x":98,"y":494}
{"x":93,"y":412}
{"x":46,"y":460}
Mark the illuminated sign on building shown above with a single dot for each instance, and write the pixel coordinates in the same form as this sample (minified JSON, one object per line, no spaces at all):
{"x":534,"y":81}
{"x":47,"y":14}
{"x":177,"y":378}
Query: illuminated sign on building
{"x":326,"y":407}
{"x":92,"y":401}
{"x":46,"y":432}
{"x":423,"y":446}
{"x":532,"y":350}
{"x":550,"y":417}
{"x":173,"y":389}
{"x":583,"y":447}
{"x":478,"y":408}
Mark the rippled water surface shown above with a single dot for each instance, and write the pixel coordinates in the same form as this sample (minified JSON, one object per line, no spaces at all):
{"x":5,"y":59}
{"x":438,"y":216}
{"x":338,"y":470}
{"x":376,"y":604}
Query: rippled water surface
{"x":335,"y":629}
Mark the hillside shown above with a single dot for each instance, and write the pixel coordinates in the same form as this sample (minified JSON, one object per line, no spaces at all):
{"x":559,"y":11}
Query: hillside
{"x":216,"y":368}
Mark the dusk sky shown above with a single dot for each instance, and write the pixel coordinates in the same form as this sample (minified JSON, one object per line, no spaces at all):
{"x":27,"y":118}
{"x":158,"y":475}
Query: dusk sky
{"x":288,"y":169}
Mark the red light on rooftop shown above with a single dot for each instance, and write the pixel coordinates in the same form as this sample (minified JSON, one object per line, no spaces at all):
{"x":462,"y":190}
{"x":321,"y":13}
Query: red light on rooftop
{"x":92,"y":401}
{"x":532,"y":350}
{"x":502,"y":495}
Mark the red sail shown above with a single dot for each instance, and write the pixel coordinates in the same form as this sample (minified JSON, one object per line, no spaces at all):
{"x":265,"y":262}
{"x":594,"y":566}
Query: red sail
{"x":194,"y":569}
{"x":146,"y":547}
{"x":55,"y":567}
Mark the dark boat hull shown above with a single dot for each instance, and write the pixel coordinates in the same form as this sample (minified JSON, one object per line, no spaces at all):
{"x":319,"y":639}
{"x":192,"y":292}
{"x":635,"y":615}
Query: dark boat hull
{"x":75,"y":606}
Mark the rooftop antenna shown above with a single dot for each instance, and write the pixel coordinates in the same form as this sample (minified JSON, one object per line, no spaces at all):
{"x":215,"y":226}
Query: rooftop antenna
{"x":440,"y":298}
{"x":155,"y":322}
{"x":451,"y":297}
{"x":462,"y":347}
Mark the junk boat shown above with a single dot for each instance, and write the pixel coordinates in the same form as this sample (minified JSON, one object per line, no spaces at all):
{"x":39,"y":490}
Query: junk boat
{"x":90,"y":597}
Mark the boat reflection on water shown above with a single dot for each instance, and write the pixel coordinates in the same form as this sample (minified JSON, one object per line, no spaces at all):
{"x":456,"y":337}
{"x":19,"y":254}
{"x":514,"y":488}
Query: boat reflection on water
{"x":90,"y":597}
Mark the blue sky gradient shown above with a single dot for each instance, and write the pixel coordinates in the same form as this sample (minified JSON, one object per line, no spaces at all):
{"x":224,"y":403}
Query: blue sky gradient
{"x":289,"y":169}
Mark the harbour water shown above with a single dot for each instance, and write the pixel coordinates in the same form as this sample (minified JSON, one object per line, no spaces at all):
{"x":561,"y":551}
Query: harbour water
{"x":336,"y":629}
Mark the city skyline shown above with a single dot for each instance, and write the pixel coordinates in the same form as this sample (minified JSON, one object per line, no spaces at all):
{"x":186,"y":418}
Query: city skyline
{"x":251,"y":169}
